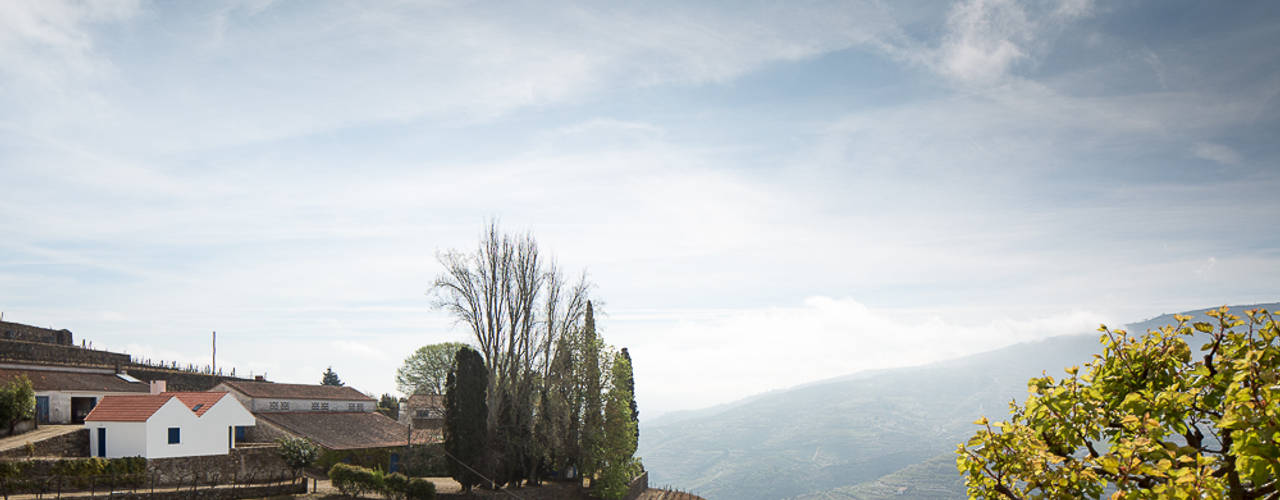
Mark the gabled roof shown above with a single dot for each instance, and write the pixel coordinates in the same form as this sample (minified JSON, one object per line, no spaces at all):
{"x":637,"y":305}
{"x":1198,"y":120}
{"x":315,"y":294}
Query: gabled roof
{"x":127,"y":408}
{"x":197,"y":402}
{"x":347,"y":430}
{"x":255,"y":389}
{"x":142,"y":407}
{"x":51,"y":380}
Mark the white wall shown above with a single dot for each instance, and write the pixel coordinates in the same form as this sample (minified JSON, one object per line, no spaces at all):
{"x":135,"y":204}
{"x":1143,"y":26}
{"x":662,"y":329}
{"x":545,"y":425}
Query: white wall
{"x":197,"y":436}
{"x":264,"y":405}
{"x":228,"y":413}
{"x":259,"y":405}
{"x":124,"y":439}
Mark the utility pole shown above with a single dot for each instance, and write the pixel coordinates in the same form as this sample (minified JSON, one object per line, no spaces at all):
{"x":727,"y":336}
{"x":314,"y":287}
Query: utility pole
{"x":214,"y":369}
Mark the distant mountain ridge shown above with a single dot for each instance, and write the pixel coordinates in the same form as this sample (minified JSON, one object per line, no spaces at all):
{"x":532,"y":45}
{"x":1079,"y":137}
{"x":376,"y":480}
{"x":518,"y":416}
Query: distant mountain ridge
{"x":881,"y":434}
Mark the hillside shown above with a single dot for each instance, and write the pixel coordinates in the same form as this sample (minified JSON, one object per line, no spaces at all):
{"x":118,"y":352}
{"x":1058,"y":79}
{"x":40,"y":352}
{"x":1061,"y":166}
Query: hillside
{"x":858,"y":436}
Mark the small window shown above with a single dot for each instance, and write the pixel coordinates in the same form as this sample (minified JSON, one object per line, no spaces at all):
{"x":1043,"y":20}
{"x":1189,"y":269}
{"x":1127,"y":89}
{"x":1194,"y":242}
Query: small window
{"x":197,"y":407}
{"x":284,"y":405}
{"x":275,"y":405}
{"x":315,"y":405}
{"x":175,"y":435}
{"x":351,"y":407}
{"x":324,"y":406}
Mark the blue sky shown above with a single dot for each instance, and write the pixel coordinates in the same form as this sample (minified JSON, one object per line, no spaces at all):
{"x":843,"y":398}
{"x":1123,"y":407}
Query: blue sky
{"x":765,"y":193}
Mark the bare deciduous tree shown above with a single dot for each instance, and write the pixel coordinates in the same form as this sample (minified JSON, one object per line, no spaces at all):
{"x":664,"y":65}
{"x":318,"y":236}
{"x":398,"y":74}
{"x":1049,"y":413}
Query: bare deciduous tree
{"x":519,"y":307}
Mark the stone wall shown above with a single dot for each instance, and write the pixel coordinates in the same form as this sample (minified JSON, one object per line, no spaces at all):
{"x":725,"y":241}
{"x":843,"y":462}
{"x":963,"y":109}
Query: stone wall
{"x":19,"y":331}
{"x":242,"y":464}
{"x":70,"y":445}
{"x":21,"y":350}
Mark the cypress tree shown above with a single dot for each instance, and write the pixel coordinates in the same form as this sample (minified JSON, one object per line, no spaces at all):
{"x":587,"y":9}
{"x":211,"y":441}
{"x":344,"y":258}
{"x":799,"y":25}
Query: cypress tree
{"x":592,"y":417}
{"x":619,"y":434}
{"x":465,"y":413}
{"x":631,"y":389}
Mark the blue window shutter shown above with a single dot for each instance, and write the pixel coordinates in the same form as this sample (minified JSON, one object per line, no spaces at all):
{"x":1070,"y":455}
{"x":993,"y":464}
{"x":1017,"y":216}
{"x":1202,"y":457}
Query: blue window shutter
{"x":175,"y":435}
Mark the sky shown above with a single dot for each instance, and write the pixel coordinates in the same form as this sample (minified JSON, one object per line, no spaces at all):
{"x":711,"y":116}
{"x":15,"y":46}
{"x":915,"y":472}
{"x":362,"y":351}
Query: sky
{"x":763,"y":193}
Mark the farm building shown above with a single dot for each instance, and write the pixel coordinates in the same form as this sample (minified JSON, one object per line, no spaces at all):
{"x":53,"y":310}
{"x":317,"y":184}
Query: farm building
{"x":170,"y":424}
{"x":64,"y":395}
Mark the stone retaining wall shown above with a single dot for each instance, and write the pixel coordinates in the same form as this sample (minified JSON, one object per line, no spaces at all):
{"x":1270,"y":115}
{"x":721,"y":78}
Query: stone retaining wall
{"x":71,"y":445}
{"x":18,"y":350}
{"x":255,"y":463}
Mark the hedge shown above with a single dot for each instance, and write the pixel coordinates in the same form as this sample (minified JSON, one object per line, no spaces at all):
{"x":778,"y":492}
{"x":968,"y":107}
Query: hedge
{"x":353,"y":480}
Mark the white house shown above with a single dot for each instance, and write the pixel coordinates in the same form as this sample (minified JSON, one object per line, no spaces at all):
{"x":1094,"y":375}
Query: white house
{"x":170,"y":424}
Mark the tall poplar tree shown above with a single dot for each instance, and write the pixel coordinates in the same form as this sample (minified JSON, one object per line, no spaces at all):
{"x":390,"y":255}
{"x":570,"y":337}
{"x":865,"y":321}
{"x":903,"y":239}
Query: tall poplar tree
{"x":465,"y":411}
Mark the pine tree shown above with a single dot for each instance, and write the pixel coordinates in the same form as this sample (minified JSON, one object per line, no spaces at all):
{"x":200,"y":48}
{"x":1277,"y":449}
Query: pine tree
{"x":330,"y":378}
{"x":465,"y":413}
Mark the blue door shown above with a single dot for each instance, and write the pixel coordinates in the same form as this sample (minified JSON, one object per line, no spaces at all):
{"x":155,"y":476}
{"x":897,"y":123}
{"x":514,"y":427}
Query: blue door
{"x":395,"y":462}
{"x":102,"y":442}
{"x":42,"y":409}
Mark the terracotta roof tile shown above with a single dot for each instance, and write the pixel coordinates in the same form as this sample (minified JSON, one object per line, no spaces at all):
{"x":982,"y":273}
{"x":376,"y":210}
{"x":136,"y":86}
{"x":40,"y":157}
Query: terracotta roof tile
{"x":347,"y":430}
{"x":202,"y":400}
{"x":296,"y":391}
{"x":127,"y":408}
{"x":141,"y":407}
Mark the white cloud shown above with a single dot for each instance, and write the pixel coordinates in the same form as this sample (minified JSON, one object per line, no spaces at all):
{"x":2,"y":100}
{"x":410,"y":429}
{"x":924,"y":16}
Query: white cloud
{"x":1217,"y":153}
{"x":985,"y":39}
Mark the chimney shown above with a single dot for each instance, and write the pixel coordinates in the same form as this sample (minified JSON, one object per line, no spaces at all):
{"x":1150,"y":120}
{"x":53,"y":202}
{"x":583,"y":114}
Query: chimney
{"x":259,"y":378}
{"x":158,"y":386}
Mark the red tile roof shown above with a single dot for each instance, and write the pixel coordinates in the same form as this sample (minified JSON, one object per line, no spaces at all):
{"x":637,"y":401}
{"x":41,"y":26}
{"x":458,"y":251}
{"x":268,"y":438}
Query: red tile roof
{"x":204,"y":400}
{"x":49,"y":380}
{"x":347,"y":430}
{"x":142,"y":407}
{"x":127,"y":408}
{"x":296,"y":391}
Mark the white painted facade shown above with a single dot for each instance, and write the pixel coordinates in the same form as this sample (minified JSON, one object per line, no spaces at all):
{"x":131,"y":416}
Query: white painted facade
{"x":124,"y":439}
{"x":207,"y":434}
{"x":266,"y":405}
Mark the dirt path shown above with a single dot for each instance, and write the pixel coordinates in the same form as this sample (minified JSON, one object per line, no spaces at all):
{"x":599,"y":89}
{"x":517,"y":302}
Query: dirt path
{"x":45,"y":431}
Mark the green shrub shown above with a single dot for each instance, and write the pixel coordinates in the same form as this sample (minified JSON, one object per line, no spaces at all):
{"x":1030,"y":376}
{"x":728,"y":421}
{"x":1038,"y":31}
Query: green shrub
{"x":353,"y":480}
{"x":394,"y":485}
{"x":298,"y":453}
{"x":420,"y":489}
